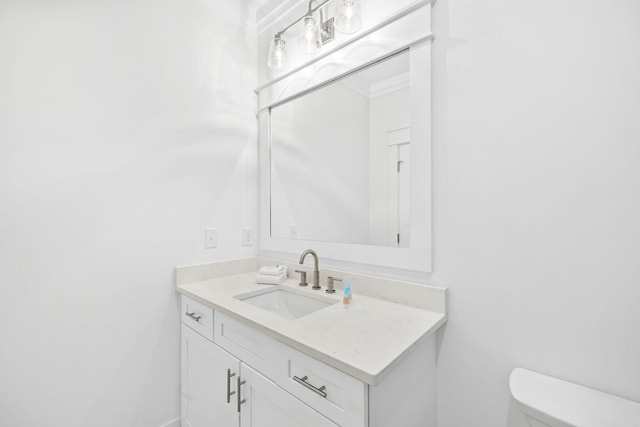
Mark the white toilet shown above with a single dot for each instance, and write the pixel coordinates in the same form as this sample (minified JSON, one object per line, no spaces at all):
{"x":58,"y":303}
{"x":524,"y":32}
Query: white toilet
{"x":550,"y":402}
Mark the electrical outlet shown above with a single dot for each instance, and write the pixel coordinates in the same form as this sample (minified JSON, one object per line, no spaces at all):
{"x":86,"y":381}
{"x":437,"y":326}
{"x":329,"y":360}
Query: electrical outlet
{"x":210,"y":238}
{"x":247,"y":236}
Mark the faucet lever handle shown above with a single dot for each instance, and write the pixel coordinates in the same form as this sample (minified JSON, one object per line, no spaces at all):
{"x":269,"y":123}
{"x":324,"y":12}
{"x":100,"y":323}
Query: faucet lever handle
{"x":330,"y":283}
{"x":303,"y":278}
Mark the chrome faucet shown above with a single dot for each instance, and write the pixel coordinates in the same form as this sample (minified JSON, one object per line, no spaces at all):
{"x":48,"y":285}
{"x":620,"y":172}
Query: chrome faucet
{"x":316,"y":273}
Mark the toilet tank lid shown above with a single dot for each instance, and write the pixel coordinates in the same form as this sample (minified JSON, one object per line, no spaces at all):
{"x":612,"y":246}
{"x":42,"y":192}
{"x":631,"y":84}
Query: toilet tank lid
{"x":571,"y":403}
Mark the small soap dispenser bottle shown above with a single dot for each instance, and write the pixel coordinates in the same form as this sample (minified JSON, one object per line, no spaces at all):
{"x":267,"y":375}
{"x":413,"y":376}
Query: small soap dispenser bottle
{"x":346,"y":298}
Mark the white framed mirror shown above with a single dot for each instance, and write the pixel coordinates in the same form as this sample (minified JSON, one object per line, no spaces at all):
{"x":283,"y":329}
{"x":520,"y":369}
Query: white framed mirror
{"x":330,"y":151}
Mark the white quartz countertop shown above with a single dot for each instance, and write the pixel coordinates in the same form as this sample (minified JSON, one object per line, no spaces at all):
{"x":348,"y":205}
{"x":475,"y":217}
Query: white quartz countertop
{"x":366,"y":340}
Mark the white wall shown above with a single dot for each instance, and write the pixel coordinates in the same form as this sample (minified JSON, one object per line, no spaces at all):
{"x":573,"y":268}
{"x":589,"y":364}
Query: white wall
{"x":126,"y":128}
{"x":536,"y":200}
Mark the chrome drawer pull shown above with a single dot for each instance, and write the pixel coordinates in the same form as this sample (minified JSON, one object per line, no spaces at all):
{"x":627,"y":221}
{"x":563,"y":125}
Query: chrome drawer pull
{"x":303,"y":381}
{"x":240,"y":399}
{"x":194,"y":316}
{"x":229,"y":392}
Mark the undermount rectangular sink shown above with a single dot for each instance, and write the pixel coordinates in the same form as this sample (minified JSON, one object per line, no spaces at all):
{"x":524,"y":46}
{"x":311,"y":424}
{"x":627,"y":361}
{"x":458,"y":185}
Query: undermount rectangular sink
{"x":286,"y":302}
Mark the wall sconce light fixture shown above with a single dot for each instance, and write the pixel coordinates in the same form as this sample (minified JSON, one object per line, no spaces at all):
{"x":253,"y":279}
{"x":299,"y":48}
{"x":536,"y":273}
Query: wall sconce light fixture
{"x":348,"y":19}
{"x":278,"y":58}
{"x":315,"y":34}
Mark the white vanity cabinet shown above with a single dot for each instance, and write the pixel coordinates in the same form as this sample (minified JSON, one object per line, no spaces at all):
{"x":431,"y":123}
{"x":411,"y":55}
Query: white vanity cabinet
{"x":267,"y":405}
{"x":204,"y":377}
{"x":233,"y":375}
{"x":210,"y":391}
{"x":218,"y":390}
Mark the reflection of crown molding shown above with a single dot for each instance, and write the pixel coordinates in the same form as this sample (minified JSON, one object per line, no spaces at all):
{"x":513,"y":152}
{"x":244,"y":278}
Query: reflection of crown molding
{"x":356,"y":85}
{"x":381,"y":88}
{"x":393,"y":84}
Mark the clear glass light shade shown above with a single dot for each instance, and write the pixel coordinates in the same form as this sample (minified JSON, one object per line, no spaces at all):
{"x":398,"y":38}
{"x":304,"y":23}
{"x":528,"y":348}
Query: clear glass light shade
{"x":348,"y":19}
{"x":310,"y":39}
{"x":278,"y":59}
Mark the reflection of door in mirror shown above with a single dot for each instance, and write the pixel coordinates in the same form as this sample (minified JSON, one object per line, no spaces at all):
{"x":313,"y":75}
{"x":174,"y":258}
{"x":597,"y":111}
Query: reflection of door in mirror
{"x":399,"y":186}
{"x":404,"y":207}
{"x":389,"y":126}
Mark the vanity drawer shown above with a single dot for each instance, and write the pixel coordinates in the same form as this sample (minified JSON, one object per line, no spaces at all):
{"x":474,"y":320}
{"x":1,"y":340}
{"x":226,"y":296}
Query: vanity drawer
{"x":340,"y":397}
{"x":198,"y":317}
{"x":244,"y":342}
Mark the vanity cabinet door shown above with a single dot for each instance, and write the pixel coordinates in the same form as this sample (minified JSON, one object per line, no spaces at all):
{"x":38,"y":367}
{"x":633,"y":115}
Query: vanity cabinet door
{"x":267,"y":405}
{"x":204,"y":385}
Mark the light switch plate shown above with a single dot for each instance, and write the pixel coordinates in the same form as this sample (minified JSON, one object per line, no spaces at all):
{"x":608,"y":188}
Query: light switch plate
{"x":247,"y":236}
{"x":210,"y":238}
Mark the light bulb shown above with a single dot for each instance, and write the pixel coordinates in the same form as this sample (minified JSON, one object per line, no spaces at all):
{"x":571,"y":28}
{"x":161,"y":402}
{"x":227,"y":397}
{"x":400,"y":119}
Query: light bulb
{"x":277,"y":59}
{"x":309,"y":40}
{"x":348,"y":18}
{"x":348,"y":12}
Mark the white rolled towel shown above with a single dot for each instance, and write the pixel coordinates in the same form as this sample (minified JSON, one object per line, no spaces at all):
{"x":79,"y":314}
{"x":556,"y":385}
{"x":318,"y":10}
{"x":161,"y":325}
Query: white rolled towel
{"x":265,"y":279}
{"x":273,"y":270}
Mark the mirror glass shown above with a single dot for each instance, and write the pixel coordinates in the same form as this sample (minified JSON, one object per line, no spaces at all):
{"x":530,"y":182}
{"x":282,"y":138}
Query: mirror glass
{"x":340,"y":159}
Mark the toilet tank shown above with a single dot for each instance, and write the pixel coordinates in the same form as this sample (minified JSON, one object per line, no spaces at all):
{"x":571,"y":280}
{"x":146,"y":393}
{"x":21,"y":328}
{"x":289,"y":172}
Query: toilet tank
{"x":559,"y":403}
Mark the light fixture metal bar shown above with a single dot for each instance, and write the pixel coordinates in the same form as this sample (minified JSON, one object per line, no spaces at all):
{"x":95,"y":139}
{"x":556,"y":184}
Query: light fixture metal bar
{"x":311,"y":11}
